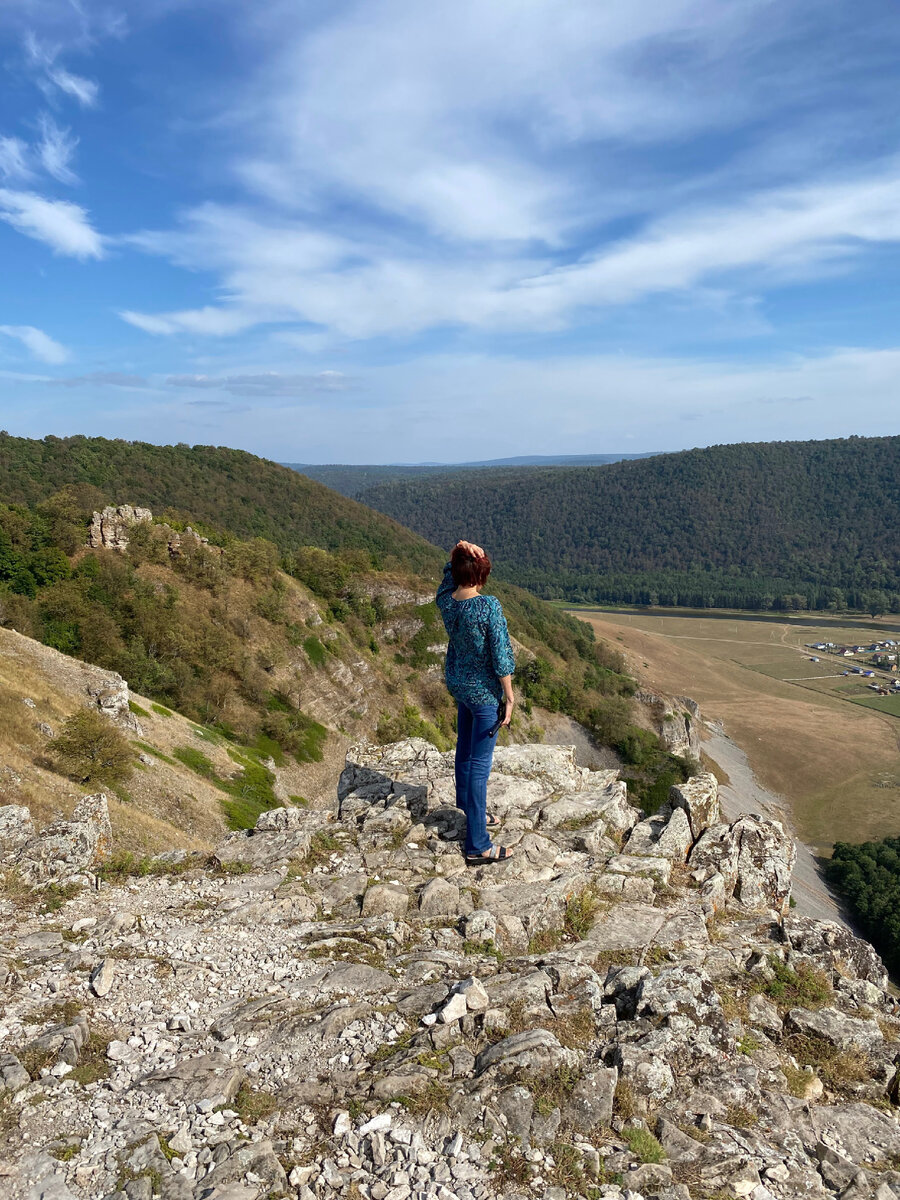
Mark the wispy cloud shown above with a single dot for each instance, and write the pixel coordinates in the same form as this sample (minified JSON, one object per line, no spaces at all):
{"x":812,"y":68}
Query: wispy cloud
{"x":267,"y":383}
{"x":14,"y":164}
{"x":39,"y":344}
{"x":118,"y":379}
{"x":61,"y":225}
{"x":56,"y":150}
{"x":52,"y":76}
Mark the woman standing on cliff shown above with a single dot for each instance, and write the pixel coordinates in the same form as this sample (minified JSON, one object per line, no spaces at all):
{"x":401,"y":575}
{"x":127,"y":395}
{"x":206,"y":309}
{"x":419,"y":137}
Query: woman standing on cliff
{"x":479,"y":672}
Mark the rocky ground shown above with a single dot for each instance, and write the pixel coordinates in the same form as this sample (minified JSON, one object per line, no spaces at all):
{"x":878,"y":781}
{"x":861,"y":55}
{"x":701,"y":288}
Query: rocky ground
{"x":333,"y":1005}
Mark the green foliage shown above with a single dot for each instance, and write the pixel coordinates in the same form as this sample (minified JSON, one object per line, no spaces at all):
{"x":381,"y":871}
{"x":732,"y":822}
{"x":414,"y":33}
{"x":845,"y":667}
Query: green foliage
{"x":784,"y":525}
{"x":295,"y":732}
{"x":250,"y":793}
{"x":643,"y":1145}
{"x":409,"y":722}
{"x":161,"y":710}
{"x":315,"y":651}
{"x":868,"y":878}
{"x":91,"y":750}
{"x":803,"y":985}
{"x":211,"y":486}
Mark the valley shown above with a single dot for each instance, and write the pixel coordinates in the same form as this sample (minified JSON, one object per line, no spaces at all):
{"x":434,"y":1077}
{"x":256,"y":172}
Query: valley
{"x":806,"y":737}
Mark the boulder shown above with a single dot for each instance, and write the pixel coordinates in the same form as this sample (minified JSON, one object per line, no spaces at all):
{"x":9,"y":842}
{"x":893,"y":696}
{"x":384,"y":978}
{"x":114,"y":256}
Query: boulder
{"x":847,"y":1033}
{"x":666,"y":836}
{"x":68,"y":848}
{"x":110,"y":528}
{"x":765,"y":861}
{"x":206,"y":1077}
{"x":699,"y":797}
{"x":535,"y":1052}
{"x":591,"y":1101}
{"x":16,"y":829}
{"x":439,"y":898}
{"x":385,"y":899}
{"x":837,"y":948}
{"x":755,"y":858}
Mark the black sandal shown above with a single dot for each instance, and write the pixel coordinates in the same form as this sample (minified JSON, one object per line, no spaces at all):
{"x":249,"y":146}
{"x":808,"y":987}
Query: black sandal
{"x":491,"y":821}
{"x":496,"y":854}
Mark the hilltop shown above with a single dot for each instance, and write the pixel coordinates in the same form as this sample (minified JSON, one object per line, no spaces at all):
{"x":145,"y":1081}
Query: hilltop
{"x":756,"y":525}
{"x":211,"y":486}
{"x":333,"y":1005}
{"x":355,"y":481}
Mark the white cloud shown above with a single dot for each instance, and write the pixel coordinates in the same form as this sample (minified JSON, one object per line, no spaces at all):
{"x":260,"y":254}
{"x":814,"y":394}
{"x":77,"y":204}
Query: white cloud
{"x":39,"y":344}
{"x":265,"y":383}
{"x":56,"y":150}
{"x":279,"y":271}
{"x":14,"y":165}
{"x":63,"y":226}
{"x":85,"y":91}
{"x":51,"y":75}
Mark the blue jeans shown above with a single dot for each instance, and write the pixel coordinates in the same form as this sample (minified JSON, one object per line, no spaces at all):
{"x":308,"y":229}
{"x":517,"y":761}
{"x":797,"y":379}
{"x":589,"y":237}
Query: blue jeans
{"x":474,"y":754}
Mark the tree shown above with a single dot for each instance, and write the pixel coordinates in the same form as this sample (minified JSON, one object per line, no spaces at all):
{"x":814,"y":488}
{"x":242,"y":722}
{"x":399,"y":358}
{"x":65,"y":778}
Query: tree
{"x":91,"y":750}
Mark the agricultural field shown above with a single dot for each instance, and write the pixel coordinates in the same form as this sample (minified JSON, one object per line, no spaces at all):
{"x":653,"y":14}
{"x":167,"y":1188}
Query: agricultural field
{"x":821,"y":739}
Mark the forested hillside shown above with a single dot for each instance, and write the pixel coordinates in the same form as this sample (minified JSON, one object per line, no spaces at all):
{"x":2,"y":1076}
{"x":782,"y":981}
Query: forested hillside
{"x":271,"y":642}
{"x":765,"y":525}
{"x":212,"y":486}
{"x":354,"y":481}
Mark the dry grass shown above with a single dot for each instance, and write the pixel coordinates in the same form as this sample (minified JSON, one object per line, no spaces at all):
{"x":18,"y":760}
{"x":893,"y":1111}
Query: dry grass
{"x":808,"y":746}
{"x":839,"y":1070}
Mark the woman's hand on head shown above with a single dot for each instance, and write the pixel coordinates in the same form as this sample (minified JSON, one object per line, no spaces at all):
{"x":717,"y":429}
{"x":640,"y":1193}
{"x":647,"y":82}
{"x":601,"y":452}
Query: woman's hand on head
{"x":471,"y":547}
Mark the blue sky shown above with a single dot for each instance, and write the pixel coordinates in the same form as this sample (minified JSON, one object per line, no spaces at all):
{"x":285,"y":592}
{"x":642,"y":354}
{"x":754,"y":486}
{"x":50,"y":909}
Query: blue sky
{"x":342,"y":231}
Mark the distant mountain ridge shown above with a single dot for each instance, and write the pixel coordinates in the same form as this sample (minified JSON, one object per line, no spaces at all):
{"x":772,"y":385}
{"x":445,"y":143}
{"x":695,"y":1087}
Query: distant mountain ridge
{"x":354,"y":481}
{"x":754,"y":525}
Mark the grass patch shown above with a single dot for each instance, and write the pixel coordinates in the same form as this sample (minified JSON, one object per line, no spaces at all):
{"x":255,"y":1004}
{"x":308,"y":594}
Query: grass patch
{"x":152,"y":750}
{"x":575,"y":1029}
{"x":434,"y":1097}
{"x":573,"y":824}
{"x":315,"y":650}
{"x":253,"y":1106}
{"x":137,"y":710}
{"x":161,"y":710}
{"x":839,"y":1070}
{"x":123,"y":865}
{"x":388,"y":1049}
{"x":250,"y":793}
{"x":747,"y":1043}
{"x":740,"y":1117}
{"x":487,"y":948}
{"x":643,"y":1145}
{"x":805,"y":986}
{"x":92,"y":1062}
{"x":568,"y":1167}
{"x":553,"y":1090}
{"x":545,"y":940}
{"x":624,"y":1102}
{"x":321,"y":847}
{"x":581,"y":912}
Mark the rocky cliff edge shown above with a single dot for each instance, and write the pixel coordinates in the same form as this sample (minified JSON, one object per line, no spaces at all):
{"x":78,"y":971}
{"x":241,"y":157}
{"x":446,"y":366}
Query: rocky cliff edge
{"x":335,"y":1006}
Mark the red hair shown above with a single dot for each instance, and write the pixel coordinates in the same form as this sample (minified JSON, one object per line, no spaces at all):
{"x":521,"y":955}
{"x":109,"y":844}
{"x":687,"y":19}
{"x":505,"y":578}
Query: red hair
{"x":469,"y":571}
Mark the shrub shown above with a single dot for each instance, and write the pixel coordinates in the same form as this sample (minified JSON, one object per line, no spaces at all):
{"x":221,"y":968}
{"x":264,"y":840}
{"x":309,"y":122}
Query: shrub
{"x":92,"y":750}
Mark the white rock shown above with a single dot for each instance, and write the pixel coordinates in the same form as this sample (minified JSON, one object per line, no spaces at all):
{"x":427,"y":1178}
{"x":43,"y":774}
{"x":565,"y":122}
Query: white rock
{"x":181,"y":1142}
{"x":454,"y":1010}
{"x":382,"y":1121}
{"x":475,"y":996}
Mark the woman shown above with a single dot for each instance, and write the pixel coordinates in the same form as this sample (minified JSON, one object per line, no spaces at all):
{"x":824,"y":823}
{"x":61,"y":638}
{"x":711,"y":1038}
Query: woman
{"x":480,"y":667}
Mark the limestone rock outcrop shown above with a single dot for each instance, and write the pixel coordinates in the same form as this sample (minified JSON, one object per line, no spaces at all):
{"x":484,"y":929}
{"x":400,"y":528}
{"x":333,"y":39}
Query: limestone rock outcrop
{"x":109,"y":529}
{"x":335,"y":1006}
{"x":64,"y":849}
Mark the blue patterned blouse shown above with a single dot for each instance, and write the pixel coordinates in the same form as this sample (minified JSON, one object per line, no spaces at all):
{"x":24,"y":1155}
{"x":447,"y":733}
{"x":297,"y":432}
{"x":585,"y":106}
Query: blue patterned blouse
{"x":480,"y":653}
